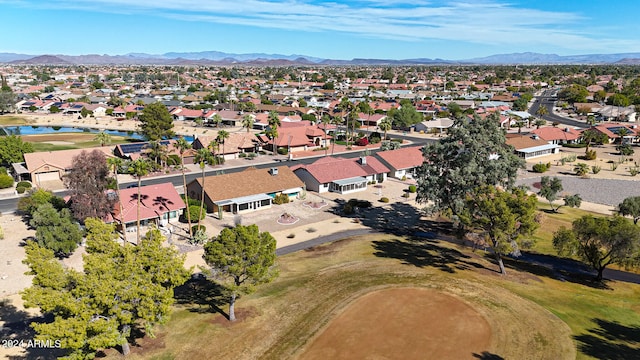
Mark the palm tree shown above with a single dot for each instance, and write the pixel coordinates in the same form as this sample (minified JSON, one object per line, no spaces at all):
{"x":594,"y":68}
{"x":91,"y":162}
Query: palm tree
{"x":139,"y":168}
{"x":335,"y":121}
{"x":581,"y":169}
{"x":622,"y":133}
{"x":212,"y":158}
{"x":115,"y":163}
{"x":202,"y":157}
{"x":158,"y":152}
{"x":326,"y":120}
{"x":183,"y":145}
{"x":103,"y":138}
{"x":542,"y":111}
{"x":217,"y":119}
{"x":540,"y":122}
{"x":222,"y":136}
{"x":274,"y":122}
{"x":247,"y":122}
{"x":385,"y":125}
{"x":345,"y":106}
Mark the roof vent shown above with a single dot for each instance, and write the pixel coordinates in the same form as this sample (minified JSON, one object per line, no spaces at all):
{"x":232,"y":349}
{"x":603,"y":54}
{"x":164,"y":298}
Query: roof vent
{"x":273,"y":171}
{"x":363,"y":160}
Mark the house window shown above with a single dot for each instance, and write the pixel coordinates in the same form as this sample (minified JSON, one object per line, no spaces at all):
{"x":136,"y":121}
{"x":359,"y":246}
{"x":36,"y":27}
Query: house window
{"x":243,"y":206}
{"x":173,"y":215}
{"x":265,"y":202}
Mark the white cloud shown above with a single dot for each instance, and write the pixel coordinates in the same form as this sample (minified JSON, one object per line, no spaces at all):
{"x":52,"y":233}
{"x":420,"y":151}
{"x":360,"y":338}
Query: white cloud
{"x":484,"y":22}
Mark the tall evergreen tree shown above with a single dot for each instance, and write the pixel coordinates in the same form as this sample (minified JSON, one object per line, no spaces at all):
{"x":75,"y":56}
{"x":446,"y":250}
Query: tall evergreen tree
{"x":156,"y":122}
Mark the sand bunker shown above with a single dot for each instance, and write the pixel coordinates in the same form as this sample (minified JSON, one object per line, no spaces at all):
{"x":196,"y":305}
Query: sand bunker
{"x":404,"y":323}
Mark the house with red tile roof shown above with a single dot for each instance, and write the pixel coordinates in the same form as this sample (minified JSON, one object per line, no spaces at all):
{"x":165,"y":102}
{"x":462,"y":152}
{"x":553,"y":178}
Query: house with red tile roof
{"x":402,"y":162}
{"x":159,"y":204}
{"x":245,"y":191}
{"x":612,"y":130}
{"x":373,"y":120}
{"x":297,"y":136}
{"x":555,"y":135}
{"x":341,"y":175}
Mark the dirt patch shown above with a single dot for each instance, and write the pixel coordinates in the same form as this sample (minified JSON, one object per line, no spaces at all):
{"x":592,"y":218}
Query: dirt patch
{"x":403,"y":323}
{"x":241,"y":314}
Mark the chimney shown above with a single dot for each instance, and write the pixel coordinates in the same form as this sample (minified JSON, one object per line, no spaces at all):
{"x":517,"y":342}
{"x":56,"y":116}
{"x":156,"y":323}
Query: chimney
{"x":273,"y":171}
{"x":363,"y":160}
{"x":566,"y":129}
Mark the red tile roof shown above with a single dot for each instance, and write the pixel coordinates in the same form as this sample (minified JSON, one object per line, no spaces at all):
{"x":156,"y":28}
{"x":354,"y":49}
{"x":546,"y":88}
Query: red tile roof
{"x":404,"y":158}
{"x":155,"y":200}
{"x":554,"y":133}
{"x":330,"y":169}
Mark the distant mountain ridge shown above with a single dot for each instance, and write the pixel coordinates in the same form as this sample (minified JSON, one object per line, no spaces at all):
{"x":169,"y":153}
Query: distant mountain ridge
{"x":261,"y":59}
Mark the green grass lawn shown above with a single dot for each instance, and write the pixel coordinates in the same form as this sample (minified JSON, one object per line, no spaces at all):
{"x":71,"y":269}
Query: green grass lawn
{"x":551,"y":318}
{"x":88,"y":142}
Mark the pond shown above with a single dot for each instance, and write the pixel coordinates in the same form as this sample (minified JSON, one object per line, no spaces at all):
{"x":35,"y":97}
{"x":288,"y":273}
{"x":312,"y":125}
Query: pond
{"x":39,"y":130}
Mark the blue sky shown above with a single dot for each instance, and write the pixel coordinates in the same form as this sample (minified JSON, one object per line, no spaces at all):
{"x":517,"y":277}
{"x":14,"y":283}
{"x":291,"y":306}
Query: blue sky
{"x":394,"y":29}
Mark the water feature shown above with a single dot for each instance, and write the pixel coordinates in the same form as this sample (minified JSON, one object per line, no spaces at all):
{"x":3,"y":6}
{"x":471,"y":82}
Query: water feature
{"x":39,"y":130}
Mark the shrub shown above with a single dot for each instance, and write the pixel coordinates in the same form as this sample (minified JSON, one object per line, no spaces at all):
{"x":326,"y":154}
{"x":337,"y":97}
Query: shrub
{"x":595,"y":169}
{"x":291,"y":236}
{"x":590,"y":155}
{"x":413,"y":188}
{"x":195,"y":228}
{"x":614,"y":166}
{"x":540,"y":168}
{"x":406,"y":195}
{"x":281,"y":199}
{"x":194,"y":211}
{"x":24,"y":184}
{"x":283,"y":151}
{"x":362,"y":141}
{"x":242,"y":155}
{"x":634,"y":170}
{"x":404,"y":178}
{"x":3,"y":170}
{"x":311,"y":230}
{"x":173,"y":160}
{"x":6,"y":181}
{"x":21,"y":189}
{"x":384,"y":199}
{"x":192,"y":202}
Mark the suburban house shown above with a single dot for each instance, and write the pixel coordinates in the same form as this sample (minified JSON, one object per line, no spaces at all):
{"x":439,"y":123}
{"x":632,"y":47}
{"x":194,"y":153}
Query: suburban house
{"x":402,"y":162}
{"x":370,"y":120}
{"x":613,"y":131}
{"x":617,"y":113}
{"x":438,"y":125}
{"x":236,"y":143}
{"x":555,"y":135}
{"x":159,"y":204}
{"x":245,"y":191}
{"x":297,"y":136}
{"x":529,"y":148}
{"x":341,"y":175}
{"x":52,"y":165}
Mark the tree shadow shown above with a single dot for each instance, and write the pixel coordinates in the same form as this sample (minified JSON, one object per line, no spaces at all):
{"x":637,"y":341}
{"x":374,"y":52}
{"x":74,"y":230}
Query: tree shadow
{"x":397,"y":218}
{"x":485,"y":355}
{"x":425,"y":252}
{"x":202,"y":295}
{"x":610,"y":341}
{"x":162,"y":202}
{"x":554,"y":267}
{"x":17,"y":327}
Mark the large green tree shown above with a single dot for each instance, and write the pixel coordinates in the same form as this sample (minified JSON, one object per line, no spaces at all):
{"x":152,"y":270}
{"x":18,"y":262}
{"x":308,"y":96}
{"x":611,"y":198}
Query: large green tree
{"x":12,"y":149}
{"x":504,"y":218}
{"x":473,"y":154}
{"x":630,"y":207}
{"x":120,"y":289}
{"x":240,"y":258}
{"x":600,"y":242}
{"x":156,"y":123}
{"x":550,"y":189}
{"x":56,"y":230}
{"x":574,"y":93}
{"x":406,"y":116}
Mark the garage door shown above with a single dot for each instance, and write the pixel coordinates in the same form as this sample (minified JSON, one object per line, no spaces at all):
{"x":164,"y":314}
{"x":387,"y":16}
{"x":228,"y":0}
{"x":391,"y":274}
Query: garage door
{"x":47,"y":176}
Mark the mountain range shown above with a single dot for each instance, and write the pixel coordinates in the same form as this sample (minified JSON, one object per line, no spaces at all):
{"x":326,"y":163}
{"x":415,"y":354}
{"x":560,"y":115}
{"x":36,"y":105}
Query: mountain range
{"x":261,"y":59}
